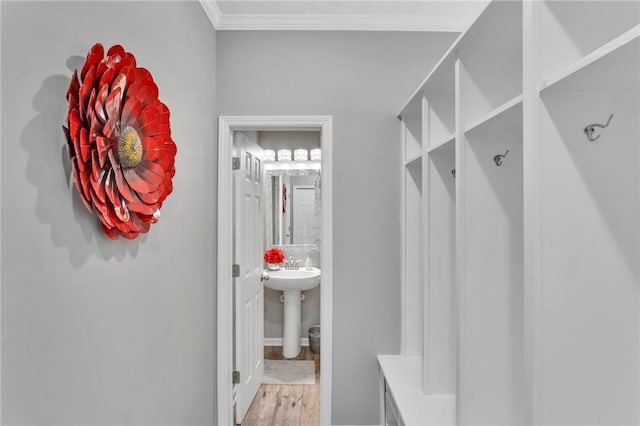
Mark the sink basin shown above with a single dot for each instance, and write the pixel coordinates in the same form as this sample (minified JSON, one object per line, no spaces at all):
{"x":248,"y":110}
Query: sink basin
{"x":293,"y":279}
{"x":292,"y":282}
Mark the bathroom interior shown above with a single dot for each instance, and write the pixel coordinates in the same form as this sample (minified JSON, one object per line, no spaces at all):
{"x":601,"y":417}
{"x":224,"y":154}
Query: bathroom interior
{"x":486,"y":213}
{"x":287,"y":166}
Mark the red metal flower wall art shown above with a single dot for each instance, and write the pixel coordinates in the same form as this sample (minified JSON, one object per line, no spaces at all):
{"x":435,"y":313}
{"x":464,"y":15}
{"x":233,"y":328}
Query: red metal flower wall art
{"x":119,"y":142}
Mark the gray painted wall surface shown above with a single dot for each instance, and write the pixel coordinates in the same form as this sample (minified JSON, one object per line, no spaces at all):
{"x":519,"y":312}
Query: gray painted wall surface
{"x":361,"y":79}
{"x":96,"y":331}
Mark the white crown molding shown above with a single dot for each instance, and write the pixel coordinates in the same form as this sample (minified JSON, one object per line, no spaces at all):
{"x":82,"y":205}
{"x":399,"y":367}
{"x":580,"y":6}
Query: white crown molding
{"x":213,"y":13}
{"x":287,"y":22}
{"x":344,"y":23}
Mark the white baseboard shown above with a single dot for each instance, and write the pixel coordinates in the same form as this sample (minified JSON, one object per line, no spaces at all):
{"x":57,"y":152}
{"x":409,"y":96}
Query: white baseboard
{"x":277,"y":341}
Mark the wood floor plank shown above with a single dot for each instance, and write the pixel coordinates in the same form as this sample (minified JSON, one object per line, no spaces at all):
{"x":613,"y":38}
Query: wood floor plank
{"x":289,"y":406}
{"x":310,"y":415}
{"x":263,"y":407}
{"x":286,"y":405}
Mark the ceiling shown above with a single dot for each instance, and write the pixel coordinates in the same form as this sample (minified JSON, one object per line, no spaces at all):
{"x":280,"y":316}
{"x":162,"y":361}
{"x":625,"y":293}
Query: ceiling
{"x":347,"y":15}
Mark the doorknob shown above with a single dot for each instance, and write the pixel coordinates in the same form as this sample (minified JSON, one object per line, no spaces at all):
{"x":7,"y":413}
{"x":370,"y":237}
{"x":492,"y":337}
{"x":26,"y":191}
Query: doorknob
{"x":264,"y":276}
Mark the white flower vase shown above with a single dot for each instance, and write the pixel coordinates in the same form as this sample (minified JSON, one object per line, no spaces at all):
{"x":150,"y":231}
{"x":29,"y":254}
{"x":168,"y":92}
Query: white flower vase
{"x":273,"y":266}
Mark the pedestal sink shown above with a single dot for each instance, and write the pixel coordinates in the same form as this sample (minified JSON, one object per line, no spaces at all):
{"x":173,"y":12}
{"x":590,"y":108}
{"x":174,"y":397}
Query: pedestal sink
{"x":292,"y":282}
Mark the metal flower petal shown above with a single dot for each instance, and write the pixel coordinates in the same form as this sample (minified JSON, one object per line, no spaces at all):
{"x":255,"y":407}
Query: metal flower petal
{"x":119,"y":142}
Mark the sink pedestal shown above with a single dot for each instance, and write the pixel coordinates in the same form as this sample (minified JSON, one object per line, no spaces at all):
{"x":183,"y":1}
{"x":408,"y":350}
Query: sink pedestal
{"x":292,"y":324}
{"x":292,"y":282}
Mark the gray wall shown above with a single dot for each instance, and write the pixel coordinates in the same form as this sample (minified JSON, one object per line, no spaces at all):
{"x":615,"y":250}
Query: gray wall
{"x":361,"y":79}
{"x":96,"y":331}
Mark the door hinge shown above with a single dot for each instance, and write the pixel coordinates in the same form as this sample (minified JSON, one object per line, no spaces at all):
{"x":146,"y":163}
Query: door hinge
{"x":235,"y":270}
{"x":236,"y":377}
{"x":235,"y":163}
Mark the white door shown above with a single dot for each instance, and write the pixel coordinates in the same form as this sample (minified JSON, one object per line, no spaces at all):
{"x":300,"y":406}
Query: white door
{"x":248,"y":290}
{"x":304,"y":210}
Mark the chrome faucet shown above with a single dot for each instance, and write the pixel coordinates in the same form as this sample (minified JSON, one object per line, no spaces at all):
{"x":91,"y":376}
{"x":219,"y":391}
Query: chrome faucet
{"x":291,"y":264}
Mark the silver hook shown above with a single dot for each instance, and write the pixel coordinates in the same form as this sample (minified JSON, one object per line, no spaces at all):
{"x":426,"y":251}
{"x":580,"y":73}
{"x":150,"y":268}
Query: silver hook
{"x":590,"y":129}
{"x":498,"y":158}
{"x":453,"y":172}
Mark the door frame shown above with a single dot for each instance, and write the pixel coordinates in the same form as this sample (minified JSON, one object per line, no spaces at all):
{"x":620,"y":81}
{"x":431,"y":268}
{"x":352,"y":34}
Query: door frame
{"x":224,"y":347}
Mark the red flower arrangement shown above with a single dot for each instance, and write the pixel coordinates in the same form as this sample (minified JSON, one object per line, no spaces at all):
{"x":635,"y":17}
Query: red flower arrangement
{"x":119,"y":142}
{"x":274,"y":255}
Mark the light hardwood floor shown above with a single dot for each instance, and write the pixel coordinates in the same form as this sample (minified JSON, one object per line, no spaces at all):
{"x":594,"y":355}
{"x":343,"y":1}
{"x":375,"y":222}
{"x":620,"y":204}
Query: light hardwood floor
{"x":286,"y":405}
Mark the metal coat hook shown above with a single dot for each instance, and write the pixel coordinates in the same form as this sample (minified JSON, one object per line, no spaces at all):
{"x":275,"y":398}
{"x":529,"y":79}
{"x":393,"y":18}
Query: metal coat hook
{"x":453,"y":172}
{"x":590,"y":129}
{"x":498,"y":158}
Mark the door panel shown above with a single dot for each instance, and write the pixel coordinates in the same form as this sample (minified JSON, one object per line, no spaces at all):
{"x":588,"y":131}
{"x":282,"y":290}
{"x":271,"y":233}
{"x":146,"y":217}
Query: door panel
{"x":248,"y":287}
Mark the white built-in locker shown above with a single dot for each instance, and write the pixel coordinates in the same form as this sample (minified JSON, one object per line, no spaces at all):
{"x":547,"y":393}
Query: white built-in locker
{"x":521,"y":232}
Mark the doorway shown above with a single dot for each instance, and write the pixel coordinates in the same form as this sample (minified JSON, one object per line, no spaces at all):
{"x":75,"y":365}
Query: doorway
{"x":227,"y":125}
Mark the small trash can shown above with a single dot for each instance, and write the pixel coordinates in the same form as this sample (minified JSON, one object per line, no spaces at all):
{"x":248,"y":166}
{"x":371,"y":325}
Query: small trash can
{"x":314,"y":338}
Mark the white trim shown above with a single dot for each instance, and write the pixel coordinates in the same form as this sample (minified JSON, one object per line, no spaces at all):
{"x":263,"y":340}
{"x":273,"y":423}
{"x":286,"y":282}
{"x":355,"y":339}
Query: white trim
{"x":426,"y":246}
{"x":532,"y":214}
{"x":295,"y":22}
{"x":277,"y":341}
{"x":326,"y":288}
{"x":224,"y":262}
{"x":461,"y":210}
{"x":404,"y":338}
{"x":213,"y":13}
{"x":0,"y":256}
{"x":290,"y":22}
{"x":226,"y":126}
